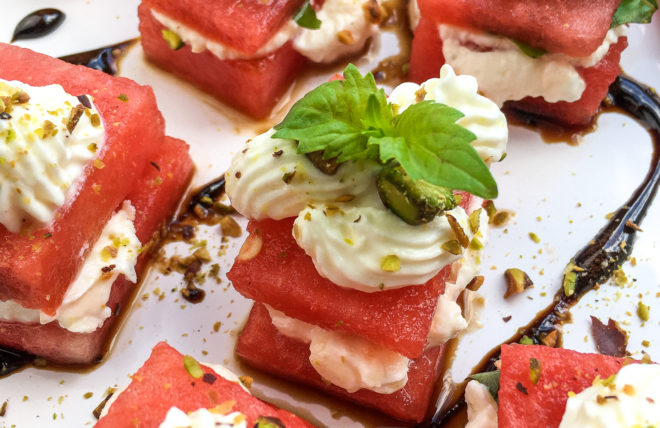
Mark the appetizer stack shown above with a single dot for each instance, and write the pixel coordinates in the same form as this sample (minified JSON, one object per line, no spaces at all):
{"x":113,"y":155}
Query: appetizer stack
{"x":175,"y":391}
{"x":551,"y":387}
{"x":553,"y":59}
{"x":207,"y":43}
{"x":363,"y":233}
{"x":73,"y":237}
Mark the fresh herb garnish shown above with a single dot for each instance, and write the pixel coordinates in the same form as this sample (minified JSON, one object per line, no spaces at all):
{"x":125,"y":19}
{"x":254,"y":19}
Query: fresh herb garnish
{"x":490,"y":380}
{"x":306,"y":17}
{"x":638,"y":11}
{"x":529,"y":50}
{"x":352,"y":120}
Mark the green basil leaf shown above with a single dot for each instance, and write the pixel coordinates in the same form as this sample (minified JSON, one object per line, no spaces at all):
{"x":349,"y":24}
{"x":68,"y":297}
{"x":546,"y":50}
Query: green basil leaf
{"x":352,"y":120}
{"x":638,"y":11}
{"x":490,"y":380}
{"x":306,"y":17}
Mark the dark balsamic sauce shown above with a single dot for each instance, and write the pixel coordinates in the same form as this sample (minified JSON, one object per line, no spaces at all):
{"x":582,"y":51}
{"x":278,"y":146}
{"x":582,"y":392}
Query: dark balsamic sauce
{"x":38,"y":24}
{"x":104,"y":59}
{"x":601,"y":256}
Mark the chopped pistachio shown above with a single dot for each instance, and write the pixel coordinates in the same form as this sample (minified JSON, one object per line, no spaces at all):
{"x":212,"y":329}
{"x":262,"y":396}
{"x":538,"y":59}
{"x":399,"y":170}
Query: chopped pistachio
{"x":534,"y":370}
{"x":459,"y":233}
{"x":526,"y":340}
{"x":516,"y":281}
{"x":192,"y":367}
{"x":550,"y":339}
{"x":173,"y":40}
{"x":643,"y":311}
{"x":570,"y":279}
{"x":475,"y":283}
{"x":11,"y":135}
{"x":473,"y":220}
{"x":122,"y":97}
{"x":534,"y":237}
{"x":476,"y":244}
{"x":499,"y":218}
{"x":345,"y":37}
{"x":453,"y":247}
{"x":230,"y":227}
{"x":390,"y":263}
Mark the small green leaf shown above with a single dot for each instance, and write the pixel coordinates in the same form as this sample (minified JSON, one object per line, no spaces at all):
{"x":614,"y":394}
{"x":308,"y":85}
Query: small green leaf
{"x":306,"y":17}
{"x":638,"y":11}
{"x":529,"y":50}
{"x":352,"y":120}
{"x":192,"y":367}
{"x":490,"y":380}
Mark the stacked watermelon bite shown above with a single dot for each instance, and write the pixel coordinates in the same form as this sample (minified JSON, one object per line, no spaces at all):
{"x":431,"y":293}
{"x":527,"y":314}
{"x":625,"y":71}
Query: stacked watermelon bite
{"x":138,"y":163}
{"x":563,"y":29}
{"x":282,"y":276}
{"x":170,"y":380}
{"x":252,"y":85}
{"x":535,"y":382}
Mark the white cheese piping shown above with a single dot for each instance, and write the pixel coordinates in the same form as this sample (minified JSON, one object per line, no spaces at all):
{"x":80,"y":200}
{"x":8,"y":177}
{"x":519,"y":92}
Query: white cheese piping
{"x":83,"y":308}
{"x":347,"y":360}
{"x":631,"y":400}
{"x":320,"y":45}
{"x":482,"y":409}
{"x":40,"y":170}
{"x":505,"y":73}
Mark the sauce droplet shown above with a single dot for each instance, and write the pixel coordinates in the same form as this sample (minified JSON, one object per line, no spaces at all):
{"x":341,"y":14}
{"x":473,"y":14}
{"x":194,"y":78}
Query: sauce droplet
{"x":104,"y":59}
{"x":38,"y":23}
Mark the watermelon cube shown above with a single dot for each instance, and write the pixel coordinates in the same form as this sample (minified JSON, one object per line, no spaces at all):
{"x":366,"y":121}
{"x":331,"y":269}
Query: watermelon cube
{"x":155,"y":197}
{"x":573,"y":27}
{"x":164,"y":382}
{"x":525,"y":404}
{"x":36,"y":266}
{"x":261,"y":345}
{"x":591,"y":22}
{"x":252,"y":85}
{"x":283,"y":276}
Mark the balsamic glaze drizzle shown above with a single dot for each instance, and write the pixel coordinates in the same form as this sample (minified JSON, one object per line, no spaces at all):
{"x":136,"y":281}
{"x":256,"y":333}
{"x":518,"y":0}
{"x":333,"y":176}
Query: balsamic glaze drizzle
{"x":606,"y":251}
{"x":104,"y":59}
{"x":38,"y":24}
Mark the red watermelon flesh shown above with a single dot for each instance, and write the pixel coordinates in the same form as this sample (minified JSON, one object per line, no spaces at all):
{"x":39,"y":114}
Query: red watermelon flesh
{"x":426,"y":59}
{"x":262,"y":346}
{"x":163,"y":382}
{"x":154,"y":204}
{"x":573,"y":27}
{"x":581,"y":112}
{"x":252,"y":86}
{"x":36,"y":268}
{"x":562,"y":370}
{"x":426,"y":56}
{"x":284,"y":277}
{"x":244,"y":25}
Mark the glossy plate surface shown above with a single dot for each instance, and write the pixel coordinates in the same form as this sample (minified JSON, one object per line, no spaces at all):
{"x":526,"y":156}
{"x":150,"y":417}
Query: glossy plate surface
{"x":560,"y":192}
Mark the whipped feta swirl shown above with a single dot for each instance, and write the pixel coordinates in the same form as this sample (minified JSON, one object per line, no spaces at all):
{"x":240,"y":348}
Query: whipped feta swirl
{"x":269,"y":179}
{"x":203,"y":418}
{"x":341,"y":222}
{"x":41,"y":160}
{"x":630,"y":399}
{"x":345,"y":28}
{"x":83,"y":308}
{"x":505,"y":73}
{"x":482,"y":409}
{"x":347,"y":360}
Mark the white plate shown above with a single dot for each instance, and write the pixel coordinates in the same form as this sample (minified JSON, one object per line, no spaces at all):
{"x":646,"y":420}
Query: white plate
{"x":560,"y":192}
